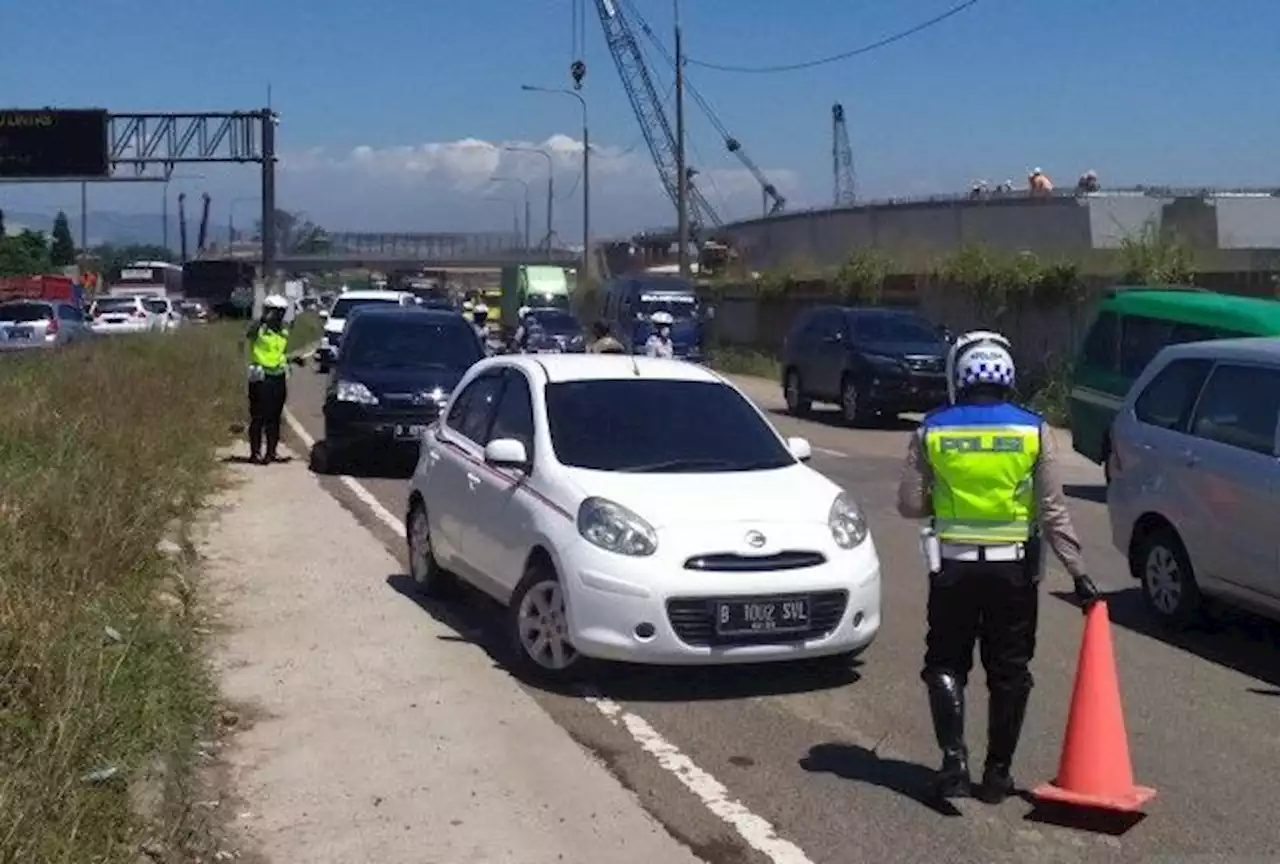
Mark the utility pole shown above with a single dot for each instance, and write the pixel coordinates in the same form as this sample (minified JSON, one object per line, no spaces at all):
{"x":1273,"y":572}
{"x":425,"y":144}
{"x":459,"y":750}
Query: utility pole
{"x":586,"y":173}
{"x":164,"y":215}
{"x":268,"y":209}
{"x":84,"y":218}
{"x":682,"y":174}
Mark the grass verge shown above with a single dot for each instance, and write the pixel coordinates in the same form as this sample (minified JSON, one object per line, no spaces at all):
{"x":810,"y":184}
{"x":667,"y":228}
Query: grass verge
{"x":102,"y":448}
{"x":306,"y":331}
{"x":741,"y":361}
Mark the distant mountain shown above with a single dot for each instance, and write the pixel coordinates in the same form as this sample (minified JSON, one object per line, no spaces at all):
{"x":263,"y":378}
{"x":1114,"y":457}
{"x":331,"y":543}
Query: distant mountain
{"x":107,"y":226}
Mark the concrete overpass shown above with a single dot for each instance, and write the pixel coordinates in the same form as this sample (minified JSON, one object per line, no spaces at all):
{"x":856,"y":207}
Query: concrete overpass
{"x":402,"y":251}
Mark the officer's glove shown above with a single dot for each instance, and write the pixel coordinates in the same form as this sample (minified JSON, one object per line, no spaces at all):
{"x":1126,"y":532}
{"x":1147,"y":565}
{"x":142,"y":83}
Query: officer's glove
{"x":1086,"y":592}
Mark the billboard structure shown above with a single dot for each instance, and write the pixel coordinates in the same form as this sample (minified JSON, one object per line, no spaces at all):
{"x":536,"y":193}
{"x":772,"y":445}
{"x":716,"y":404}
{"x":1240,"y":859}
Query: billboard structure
{"x":54,"y":144}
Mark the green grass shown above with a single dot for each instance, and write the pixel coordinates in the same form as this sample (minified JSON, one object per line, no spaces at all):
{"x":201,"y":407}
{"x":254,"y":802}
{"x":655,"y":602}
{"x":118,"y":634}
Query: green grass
{"x":741,"y":361}
{"x":100,"y":448}
{"x":306,"y":330}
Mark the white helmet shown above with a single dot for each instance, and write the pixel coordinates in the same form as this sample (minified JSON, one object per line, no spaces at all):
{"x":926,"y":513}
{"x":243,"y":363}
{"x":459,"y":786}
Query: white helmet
{"x":662,"y":319}
{"x":480,"y":309}
{"x":524,"y":311}
{"x":979,"y":357}
{"x":467,"y":306}
{"x":275,"y":301}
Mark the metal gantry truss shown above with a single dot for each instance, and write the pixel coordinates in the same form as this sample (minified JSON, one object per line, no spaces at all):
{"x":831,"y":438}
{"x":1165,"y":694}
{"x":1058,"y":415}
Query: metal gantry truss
{"x":143,"y":145}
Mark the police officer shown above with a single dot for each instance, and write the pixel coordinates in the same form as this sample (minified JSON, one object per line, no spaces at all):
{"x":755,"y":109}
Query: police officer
{"x":525,"y":326}
{"x":984,"y":470}
{"x":659,"y":344}
{"x":268,"y":341}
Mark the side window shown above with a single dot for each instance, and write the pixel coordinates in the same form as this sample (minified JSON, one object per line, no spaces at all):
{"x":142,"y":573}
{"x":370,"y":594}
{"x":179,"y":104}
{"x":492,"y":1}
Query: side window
{"x":458,"y":407}
{"x":471,"y":415}
{"x":1239,"y":408}
{"x":1192,"y":333}
{"x":514,"y":417}
{"x":1140,"y":340}
{"x":1101,"y":346}
{"x":1168,"y":398}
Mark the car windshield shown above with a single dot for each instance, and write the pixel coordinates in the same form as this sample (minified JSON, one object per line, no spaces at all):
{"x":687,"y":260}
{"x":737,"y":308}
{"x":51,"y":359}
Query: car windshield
{"x":554,"y":321}
{"x":156,"y":305}
{"x":411,"y":344}
{"x":119,"y":304}
{"x":659,"y":426}
{"x":342,"y":309}
{"x":25,"y":312}
{"x":878,"y":327}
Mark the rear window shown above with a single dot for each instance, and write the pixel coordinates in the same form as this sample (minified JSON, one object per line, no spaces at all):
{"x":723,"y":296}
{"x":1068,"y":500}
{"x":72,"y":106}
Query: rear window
{"x":342,"y":309}
{"x":25,"y":312}
{"x":395,"y":344}
{"x":119,"y":304}
{"x":659,"y":427}
{"x":560,"y":322}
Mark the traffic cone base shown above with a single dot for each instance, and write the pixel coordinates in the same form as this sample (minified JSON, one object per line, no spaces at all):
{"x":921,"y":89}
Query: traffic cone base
{"x":1126,"y":802}
{"x":1095,"y":770}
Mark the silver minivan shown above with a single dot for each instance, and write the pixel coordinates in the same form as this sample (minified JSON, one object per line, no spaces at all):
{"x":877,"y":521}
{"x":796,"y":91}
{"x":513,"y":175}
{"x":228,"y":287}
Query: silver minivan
{"x":1195,"y":478}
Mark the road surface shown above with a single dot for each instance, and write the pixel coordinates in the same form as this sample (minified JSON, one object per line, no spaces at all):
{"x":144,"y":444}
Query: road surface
{"x":833,"y":769}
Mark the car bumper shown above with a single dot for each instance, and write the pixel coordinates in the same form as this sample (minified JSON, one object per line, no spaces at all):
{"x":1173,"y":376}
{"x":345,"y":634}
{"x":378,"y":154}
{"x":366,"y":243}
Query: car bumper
{"x":907,"y":394}
{"x":609,"y":597}
{"x":350,"y":425}
{"x":116,"y":329}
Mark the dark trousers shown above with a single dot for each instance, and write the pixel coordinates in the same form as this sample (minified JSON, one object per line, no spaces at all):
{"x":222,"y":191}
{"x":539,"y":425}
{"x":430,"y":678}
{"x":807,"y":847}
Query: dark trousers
{"x":994,"y":606}
{"x":266,"y":405}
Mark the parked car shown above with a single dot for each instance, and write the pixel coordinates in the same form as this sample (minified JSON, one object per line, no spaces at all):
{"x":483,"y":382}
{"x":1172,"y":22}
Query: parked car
{"x":1133,"y":323}
{"x":395,"y":371}
{"x":27,"y":324}
{"x":335,"y":319}
{"x":115,"y":315}
{"x":869,"y":361}
{"x":1195,"y":480}
{"x":562,"y":486}
{"x":166,"y":310}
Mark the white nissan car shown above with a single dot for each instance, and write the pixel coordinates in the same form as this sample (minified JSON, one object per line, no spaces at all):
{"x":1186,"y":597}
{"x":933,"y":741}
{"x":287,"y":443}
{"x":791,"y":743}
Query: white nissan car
{"x":637,"y":509}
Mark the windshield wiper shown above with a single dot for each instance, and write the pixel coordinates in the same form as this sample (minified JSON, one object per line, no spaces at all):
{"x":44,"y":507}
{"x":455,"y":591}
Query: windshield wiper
{"x":681,"y":465}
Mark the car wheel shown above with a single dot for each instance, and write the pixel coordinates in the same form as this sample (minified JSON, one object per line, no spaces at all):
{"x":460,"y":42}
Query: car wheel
{"x":326,"y":458}
{"x":852,"y":409}
{"x":429,"y":578}
{"x":1168,"y":581}
{"x":538,"y":623}
{"x":797,"y":404}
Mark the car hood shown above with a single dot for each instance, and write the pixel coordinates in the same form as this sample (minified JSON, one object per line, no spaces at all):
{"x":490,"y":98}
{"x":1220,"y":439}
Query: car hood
{"x":382,"y":380}
{"x":796,"y":494}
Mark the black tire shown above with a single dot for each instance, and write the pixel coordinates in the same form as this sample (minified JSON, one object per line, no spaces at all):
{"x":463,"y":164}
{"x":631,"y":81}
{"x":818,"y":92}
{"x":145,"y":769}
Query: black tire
{"x":1169,"y":587}
{"x":537,"y":579}
{"x":429,"y":578}
{"x":854,"y":411}
{"x":793,"y":392}
{"x":326,"y":458}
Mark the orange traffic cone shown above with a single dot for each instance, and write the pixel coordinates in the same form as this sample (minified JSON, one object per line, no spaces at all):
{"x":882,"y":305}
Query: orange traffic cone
{"x":1095,"y":770}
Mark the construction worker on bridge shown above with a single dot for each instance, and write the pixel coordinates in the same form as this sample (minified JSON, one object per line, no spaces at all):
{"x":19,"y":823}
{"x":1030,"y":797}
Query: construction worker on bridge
{"x":982,"y":469}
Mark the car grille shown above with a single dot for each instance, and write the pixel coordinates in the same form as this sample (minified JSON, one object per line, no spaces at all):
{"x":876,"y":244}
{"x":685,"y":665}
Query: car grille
{"x":729,"y":563}
{"x":693,"y":620}
{"x":934,"y":365}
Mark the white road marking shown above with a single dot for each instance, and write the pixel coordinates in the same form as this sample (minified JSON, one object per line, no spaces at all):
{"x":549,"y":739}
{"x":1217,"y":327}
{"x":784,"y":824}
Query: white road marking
{"x":826,"y":451}
{"x":758,"y":833}
{"x":383,"y":515}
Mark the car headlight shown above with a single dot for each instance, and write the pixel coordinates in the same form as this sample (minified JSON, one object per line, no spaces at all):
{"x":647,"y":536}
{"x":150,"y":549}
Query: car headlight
{"x":354,"y":391}
{"x":848,"y":525}
{"x":614,"y":528}
{"x":439,"y":395}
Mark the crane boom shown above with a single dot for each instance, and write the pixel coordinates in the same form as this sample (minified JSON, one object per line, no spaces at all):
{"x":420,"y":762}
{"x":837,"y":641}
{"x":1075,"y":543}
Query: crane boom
{"x":846,"y":182}
{"x":203,"y":235}
{"x":774,"y":202}
{"x":645,"y":102}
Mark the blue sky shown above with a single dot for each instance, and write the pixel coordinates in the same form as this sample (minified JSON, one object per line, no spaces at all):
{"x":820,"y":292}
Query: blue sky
{"x":1143,"y":91}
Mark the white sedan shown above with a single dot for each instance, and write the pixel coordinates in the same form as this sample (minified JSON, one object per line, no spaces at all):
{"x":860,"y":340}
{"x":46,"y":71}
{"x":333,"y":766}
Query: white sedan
{"x":637,"y":509}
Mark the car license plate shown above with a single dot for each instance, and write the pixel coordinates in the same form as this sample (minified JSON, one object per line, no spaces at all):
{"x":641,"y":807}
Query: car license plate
{"x":762,"y":615}
{"x":411,"y":433}
{"x":20,"y":333}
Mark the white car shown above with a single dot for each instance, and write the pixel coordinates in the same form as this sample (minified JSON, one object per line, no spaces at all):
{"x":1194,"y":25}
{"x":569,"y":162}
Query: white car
{"x":166,"y":311}
{"x":637,"y":509}
{"x":335,"y":319}
{"x":113,"y":315}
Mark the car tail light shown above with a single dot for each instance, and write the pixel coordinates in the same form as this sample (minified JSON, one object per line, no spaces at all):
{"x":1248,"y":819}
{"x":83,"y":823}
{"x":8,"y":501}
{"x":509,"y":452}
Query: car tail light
{"x":51,"y":328}
{"x":139,"y":313}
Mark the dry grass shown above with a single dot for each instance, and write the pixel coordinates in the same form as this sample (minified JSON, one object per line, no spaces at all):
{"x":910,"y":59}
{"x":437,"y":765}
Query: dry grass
{"x":744,"y":361}
{"x":100,"y":449}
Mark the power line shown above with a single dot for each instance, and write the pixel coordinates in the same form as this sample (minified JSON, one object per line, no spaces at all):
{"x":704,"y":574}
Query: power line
{"x":845,"y":55}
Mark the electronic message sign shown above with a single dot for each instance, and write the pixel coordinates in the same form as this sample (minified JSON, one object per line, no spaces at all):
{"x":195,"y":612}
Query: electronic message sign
{"x":54,"y":144}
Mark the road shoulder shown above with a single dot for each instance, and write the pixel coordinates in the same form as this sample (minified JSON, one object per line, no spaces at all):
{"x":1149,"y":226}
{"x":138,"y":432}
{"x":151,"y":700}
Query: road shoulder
{"x":378,"y":733}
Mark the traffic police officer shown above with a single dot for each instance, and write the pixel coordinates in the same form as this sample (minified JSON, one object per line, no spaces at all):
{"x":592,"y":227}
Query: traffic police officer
{"x":659,"y":344}
{"x":268,"y":373}
{"x":984,"y":470}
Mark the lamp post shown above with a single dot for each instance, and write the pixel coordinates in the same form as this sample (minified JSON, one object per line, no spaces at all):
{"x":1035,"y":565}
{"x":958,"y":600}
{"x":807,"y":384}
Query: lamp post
{"x":586,"y":170}
{"x":515,"y":218}
{"x":682,"y":175}
{"x":551,"y":187}
{"x":527,"y":195}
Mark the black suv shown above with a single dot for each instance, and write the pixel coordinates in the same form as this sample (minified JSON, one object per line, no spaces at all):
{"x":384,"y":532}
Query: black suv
{"x":867,"y":360}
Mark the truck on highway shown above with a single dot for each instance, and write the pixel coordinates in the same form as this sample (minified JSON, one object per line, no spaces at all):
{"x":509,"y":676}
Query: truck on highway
{"x":147,"y":279}
{"x":61,"y":289}
{"x":226,"y":287}
{"x":537,"y":286}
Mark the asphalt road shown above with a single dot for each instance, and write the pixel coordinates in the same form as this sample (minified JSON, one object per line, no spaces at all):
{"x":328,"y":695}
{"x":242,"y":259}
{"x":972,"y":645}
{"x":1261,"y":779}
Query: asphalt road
{"x":837,"y":766}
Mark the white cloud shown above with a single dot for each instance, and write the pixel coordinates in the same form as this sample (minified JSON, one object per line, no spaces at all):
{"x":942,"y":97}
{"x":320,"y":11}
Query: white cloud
{"x":443,"y":186}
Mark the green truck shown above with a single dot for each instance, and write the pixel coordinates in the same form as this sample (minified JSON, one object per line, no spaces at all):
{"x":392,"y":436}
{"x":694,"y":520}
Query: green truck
{"x":537,"y":286}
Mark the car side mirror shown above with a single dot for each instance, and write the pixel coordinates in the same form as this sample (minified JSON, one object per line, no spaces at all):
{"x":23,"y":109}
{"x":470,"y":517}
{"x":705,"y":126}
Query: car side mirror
{"x":834,"y":339}
{"x":506,"y":453}
{"x":800,"y":448}
{"x":324,"y":313}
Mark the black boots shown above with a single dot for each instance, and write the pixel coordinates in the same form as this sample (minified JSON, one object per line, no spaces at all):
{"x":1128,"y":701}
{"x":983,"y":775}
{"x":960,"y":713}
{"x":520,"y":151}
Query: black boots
{"x":946,"y":703}
{"x":1008,"y":708}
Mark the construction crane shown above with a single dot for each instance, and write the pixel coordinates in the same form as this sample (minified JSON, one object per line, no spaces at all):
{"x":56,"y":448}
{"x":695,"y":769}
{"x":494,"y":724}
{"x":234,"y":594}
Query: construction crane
{"x":182,"y":223}
{"x":774,"y":203}
{"x":846,"y":182}
{"x":647,"y":105}
{"x":204,"y":226}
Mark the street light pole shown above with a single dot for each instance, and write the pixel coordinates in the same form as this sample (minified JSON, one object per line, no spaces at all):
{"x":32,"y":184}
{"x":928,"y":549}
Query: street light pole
{"x":526,"y":203}
{"x":586,"y":171}
{"x":551,"y":189}
{"x":682,"y":178}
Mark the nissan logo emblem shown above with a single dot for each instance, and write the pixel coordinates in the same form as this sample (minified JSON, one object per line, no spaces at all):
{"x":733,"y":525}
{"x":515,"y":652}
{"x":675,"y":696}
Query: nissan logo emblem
{"x":755,"y":539}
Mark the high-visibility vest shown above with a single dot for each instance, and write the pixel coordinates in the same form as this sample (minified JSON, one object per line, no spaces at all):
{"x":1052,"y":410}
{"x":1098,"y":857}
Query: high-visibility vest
{"x":983,"y":459}
{"x":269,"y":350}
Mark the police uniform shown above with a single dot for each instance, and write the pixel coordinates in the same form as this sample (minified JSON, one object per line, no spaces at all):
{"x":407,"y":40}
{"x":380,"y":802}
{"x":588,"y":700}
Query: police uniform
{"x":984,"y":471}
{"x":660,"y":344}
{"x":268,"y":387}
